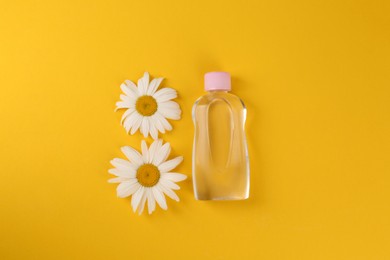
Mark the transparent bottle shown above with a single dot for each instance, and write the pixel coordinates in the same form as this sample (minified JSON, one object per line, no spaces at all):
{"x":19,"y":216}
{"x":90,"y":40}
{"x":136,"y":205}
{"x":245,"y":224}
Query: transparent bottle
{"x":220,"y":163}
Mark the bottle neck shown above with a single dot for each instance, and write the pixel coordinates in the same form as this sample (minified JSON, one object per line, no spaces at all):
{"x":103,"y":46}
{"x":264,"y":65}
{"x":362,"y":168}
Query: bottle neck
{"x":218,"y":91}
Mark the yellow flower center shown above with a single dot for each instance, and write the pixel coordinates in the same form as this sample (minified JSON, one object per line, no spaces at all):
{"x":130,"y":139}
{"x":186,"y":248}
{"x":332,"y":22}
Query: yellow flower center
{"x":146,"y":105}
{"x":148,"y":175}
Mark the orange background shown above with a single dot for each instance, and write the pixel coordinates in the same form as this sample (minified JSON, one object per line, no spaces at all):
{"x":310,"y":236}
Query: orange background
{"x":314,"y":75}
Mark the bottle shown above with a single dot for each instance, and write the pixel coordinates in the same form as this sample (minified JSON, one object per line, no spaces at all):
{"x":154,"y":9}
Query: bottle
{"x":220,"y":163}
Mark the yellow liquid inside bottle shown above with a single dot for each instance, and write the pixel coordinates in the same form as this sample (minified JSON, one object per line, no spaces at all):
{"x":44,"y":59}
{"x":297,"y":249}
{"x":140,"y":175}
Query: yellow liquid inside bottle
{"x":220,"y":159}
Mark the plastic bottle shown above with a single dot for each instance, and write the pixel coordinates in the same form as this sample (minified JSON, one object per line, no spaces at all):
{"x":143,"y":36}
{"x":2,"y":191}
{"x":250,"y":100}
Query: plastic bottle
{"x":220,"y":163}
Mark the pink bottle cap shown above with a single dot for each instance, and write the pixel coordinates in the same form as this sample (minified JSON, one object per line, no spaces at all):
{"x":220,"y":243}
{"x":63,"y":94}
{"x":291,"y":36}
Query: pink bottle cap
{"x":217,"y":81}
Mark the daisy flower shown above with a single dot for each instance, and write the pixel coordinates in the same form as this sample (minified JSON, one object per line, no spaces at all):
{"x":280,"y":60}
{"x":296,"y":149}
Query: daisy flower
{"x":147,"y":176}
{"x":146,"y":107}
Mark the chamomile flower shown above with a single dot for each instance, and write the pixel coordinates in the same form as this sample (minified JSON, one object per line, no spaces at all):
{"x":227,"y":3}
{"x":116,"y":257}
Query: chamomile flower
{"x":147,"y":176}
{"x":146,"y":107}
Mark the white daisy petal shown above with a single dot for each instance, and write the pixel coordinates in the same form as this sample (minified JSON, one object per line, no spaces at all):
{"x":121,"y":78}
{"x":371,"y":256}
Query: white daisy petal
{"x":145,"y":127}
{"x":150,"y":123}
{"x":133,"y":155}
{"x":169,"y":104}
{"x":158,"y":124}
{"x":163,"y":121}
{"x":151,"y":202}
{"x":122,"y":164}
{"x":169,"y":184}
{"x":129,"y":89}
{"x":159,"y":196}
{"x":154,"y":149}
{"x":143,"y":84}
{"x":153,"y":130}
{"x":165,"y":94}
{"x":137,"y":123}
{"x":170,"y":110}
{"x":127,"y":188}
{"x":170,"y":193}
{"x":130,"y":99}
{"x":170,"y":113}
{"x":127,"y":124}
{"x":145,"y":151}
{"x":162,"y":154}
{"x":142,"y":203}
{"x":154,"y":84}
{"x":171,"y":164}
{"x":131,"y":85}
{"x":123,"y":104}
{"x":118,"y":180}
{"x":122,"y":173}
{"x":136,"y":198}
{"x":127,"y":113}
{"x":131,"y":121}
{"x":173,"y":176}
